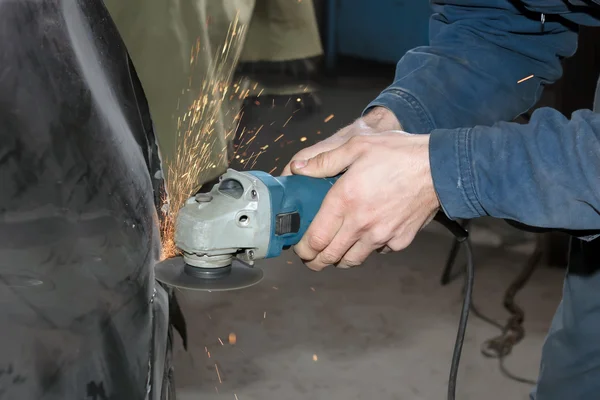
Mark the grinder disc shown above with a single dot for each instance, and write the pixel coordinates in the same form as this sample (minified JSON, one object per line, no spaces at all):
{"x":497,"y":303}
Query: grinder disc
{"x":175,"y":272}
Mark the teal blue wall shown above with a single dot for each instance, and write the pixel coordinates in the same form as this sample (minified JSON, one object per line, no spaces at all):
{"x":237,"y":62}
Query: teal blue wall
{"x":381,"y":30}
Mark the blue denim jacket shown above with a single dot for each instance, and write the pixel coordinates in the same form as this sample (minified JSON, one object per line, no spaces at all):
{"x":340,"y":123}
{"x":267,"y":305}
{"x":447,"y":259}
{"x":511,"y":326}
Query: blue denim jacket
{"x":545,"y":173}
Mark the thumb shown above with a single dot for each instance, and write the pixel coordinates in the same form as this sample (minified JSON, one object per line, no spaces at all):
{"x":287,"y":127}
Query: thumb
{"x":326,"y":164}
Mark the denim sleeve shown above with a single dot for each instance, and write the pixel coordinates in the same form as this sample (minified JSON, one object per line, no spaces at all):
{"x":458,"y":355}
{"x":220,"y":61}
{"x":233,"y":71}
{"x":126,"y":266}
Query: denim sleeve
{"x":467,"y":76}
{"x":545,"y":173}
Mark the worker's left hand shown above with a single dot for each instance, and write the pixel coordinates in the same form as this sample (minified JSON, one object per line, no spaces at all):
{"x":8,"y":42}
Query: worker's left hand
{"x":383,"y":199}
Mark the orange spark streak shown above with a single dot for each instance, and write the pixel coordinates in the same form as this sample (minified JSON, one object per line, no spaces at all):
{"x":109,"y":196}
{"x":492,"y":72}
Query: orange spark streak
{"x":218,"y":374}
{"x":329,"y":118}
{"x":525,"y":79}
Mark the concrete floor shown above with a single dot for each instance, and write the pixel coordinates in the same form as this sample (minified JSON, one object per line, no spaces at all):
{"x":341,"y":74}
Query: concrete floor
{"x":382,"y":331}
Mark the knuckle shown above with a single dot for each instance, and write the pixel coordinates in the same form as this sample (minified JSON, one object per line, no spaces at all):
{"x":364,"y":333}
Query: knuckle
{"x":301,"y":252}
{"x":350,"y":263}
{"x":348,"y":195}
{"x":379,"y":237}
{"x":399,"y":244}
{"x":321,"y":161}
{"x":339,"y":198}
{"x":329,"y":257}
{"x":317,"y":242}
{"x":363,"y":221}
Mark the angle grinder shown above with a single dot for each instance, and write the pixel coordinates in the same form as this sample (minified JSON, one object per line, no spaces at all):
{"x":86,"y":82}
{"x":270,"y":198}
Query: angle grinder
{"x":246,"y":216}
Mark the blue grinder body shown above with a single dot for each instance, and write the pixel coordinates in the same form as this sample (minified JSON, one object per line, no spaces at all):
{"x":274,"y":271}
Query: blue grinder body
{"x":295,"y":200}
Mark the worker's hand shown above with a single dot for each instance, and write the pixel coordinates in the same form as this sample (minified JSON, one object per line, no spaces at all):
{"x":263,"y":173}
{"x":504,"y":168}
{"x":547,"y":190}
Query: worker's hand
{"x":379,"y":119}
{"x":383,"y":199}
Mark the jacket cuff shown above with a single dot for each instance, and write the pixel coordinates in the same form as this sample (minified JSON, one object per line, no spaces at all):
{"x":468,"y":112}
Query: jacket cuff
{"x":407,"y":109}
{"x":450,"y":158}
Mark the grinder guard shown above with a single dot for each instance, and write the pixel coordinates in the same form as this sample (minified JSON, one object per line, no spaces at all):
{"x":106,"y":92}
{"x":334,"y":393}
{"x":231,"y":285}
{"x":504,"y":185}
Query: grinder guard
{"x":82,"y":315}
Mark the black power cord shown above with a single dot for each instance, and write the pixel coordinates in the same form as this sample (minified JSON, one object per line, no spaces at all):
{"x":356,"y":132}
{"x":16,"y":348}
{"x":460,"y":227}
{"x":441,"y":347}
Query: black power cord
{"x":461,"y":236}
{"x":464,"y":316}
{"x":512,"y":331}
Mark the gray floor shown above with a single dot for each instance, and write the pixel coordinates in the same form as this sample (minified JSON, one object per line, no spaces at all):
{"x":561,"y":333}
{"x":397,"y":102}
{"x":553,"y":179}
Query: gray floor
{"x":382,"y":331}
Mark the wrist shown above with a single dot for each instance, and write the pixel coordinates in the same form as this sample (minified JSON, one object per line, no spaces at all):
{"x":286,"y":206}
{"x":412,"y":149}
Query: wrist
{"x":381,"y":119}
{"x":428,"y":193}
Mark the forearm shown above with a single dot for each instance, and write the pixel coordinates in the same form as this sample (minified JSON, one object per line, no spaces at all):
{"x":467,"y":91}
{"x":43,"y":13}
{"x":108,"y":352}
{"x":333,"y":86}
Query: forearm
{"x":468,"y":75}
{"x":544,"y":174}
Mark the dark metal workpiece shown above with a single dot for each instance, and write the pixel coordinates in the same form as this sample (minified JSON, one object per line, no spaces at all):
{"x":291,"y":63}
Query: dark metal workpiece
{"x":82,"y":316}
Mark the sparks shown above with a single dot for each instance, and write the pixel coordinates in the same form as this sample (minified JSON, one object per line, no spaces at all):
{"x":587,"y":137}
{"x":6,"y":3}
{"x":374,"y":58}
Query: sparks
{"x":329,"y":118}
{"x":232,"y":338}
{"x":278,"y":137}
{"x":218,"y":374}
{"x":315,"y":358}
{"x":197,"y":136}
{"x":288,"y":120}
{"x":303,"y":139}
{"x":525,"y":79}
{"x":220,"y":341}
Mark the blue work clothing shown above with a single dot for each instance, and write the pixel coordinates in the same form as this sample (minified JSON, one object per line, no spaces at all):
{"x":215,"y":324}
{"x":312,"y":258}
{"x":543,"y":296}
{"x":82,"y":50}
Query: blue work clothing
{"x":461,"y":89}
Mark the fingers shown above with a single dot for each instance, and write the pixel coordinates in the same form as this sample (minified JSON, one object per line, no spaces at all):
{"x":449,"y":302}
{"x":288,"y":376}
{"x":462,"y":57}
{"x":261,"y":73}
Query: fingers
{"x":287,"y":170}
{"x":333,"y":253}
{"x":400,"y":243}
{"x":329,"y":163}
{"x":321,"y":231}
{"x":384,"y":250}
{"x":356,"y":255}
{"x":309,"y":152}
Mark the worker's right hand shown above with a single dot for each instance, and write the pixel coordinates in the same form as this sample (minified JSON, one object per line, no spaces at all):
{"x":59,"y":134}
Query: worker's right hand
{"x":379,"y":119}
